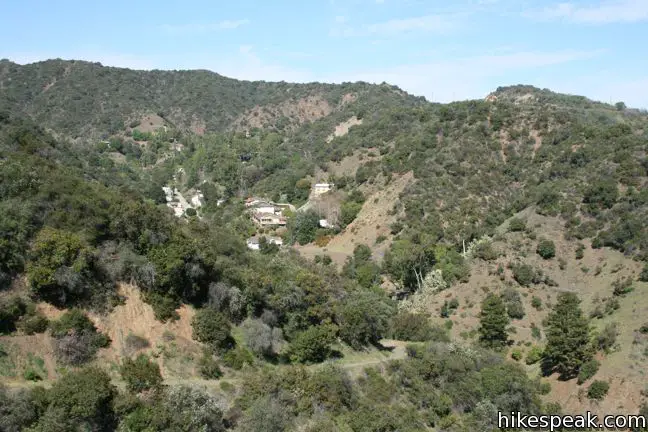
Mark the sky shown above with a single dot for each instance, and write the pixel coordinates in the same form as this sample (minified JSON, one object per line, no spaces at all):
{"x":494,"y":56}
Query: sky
{"x":443,"y":50}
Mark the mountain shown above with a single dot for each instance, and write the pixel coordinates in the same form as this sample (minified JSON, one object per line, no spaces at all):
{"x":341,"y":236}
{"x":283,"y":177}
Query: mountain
{"x":79,"y":98}
{"x":528,"y":208}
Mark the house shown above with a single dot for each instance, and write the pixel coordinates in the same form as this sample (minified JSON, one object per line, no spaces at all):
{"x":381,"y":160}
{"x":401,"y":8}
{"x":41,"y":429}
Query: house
{"x":197,"y":200}
{"x":252,"y":201}
{"x":323,"y":223}
{"x":265,"y":207}
{"x":168,"y":193}
{"x":321,"y":188}
{"x":253,"y":242}
{"x":268,"y":219}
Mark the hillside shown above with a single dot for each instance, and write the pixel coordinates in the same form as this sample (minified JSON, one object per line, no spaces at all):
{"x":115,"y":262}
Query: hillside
{"x":82,"y":99}
{"x":446,"y":221}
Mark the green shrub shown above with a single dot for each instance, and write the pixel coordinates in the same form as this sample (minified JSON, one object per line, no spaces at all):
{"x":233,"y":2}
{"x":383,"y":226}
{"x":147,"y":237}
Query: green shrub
{"x":484,"y":250}
{"x":598,"y":390}
{"x":524,"y":274}
{"x":32,"y":324}
{"x":212,"y":328}
{"x":546,"y":249}
{"x":140,"y":374}
{"x":516,"y":354}
{"x":312,"y":345}
{"x":208,"y":366}
{"x":32,"y":374}
{"x":622,"y":286}
{"x":588,"y":370}
{"x":580,"y":251}
{"x":410,"y":327}
{"x":10,"y":312}
{"x":534,"y":355}
{"x":227,"y":387}
{"x":76,"y":339}
{"x":134,"y":342}
{"x":238,"y":357}
{"x":545,"y":388}
{"x":606,"y":339}
{"x":164,"y":307}
{"x":536,"y":303}
{"x":517,"y":224}
{"x":643,"y":276}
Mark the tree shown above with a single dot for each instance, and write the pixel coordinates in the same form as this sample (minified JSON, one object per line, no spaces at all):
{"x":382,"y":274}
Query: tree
{"x":59,"y":265}
{"x":363,"y":318}
{"x":76,"y":339}
{"x":568,"y":337}
{"x":192,"y":409}
{"x":643,"y":276}
{"x":598,"y":390}
{"x":348,"y":212}
{"x":212,"y":328}
{"x":408,"y":263}
{"x":262,"y":339}
{"x":80,"y":400}
{"x":17,"y":410}
{"x":415,"y":327}
{"x":140,"y":374}
{"x":493,"y":322}
{"x":313,"y":345}
{"x":266,"y":414}
{"x":304,"y":227}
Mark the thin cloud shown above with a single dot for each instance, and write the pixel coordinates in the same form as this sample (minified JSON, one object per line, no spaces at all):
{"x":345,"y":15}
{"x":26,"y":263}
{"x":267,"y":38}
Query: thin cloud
{"x":620,"y":11}
{"x":428,"y":23}
{"x":192,"y":28}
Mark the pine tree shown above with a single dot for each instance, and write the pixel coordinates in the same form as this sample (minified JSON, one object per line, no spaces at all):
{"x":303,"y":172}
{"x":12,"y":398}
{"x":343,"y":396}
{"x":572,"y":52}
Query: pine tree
{"x":568,"y":337}
{"x":493,"y":320}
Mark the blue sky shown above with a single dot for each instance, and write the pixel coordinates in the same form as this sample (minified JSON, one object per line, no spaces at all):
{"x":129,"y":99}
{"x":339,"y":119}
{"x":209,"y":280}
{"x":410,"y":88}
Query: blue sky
{"x":443,"y":50}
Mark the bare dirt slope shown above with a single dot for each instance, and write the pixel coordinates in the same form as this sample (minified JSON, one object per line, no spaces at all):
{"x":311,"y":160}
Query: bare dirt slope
{"x":170,"y":343}
{"x":343,"y":128}
{"x":302,"y":110}
{"x":150,"y":123}
{"x":350,"y":164}
{"x":136,"y":317}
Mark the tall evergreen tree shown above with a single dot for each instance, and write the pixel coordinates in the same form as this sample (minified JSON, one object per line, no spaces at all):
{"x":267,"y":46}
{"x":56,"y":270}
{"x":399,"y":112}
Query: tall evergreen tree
{"x":568,"y":337}
{"x":493,"y":320}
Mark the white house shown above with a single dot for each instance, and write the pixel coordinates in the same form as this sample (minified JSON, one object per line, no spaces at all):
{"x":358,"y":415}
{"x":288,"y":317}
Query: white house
{"x":321,"y":188}
{"x":253,"y":242}
{"x":197,"y":200}
{"x":264,"y":207}
{"x":323,"y":223}
{"x":268,"y":219}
